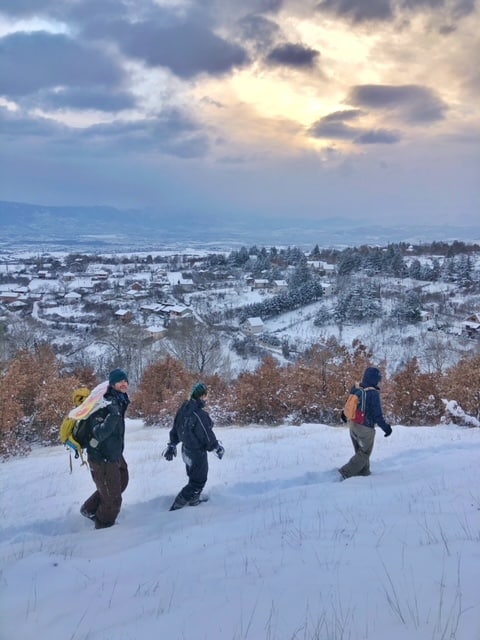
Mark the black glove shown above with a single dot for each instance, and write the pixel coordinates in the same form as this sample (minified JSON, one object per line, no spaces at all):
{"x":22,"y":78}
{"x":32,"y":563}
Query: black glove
{"x":170,"y":452}
{"x":343,"y":417}
{"x":388,"y":432}
{"x":219,"y":451}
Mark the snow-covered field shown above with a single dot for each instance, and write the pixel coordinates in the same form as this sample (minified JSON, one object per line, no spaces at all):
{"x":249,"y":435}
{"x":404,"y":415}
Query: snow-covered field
{"x":283,"y":550}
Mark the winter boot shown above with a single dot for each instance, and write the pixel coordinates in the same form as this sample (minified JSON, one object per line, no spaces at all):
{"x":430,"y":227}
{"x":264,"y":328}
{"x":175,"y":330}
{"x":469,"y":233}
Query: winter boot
{"x":178,"y":503}
{"x":197,"y":500}
{"x":87,"y":514}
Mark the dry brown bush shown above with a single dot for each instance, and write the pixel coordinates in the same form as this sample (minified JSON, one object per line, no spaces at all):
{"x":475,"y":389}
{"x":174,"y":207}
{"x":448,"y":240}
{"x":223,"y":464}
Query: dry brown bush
{"x":164,"y":385}
{"x":38,"y":398}
{"x":259,"y":396}
{"x":413,"y":397}
{"x":462,"y":383}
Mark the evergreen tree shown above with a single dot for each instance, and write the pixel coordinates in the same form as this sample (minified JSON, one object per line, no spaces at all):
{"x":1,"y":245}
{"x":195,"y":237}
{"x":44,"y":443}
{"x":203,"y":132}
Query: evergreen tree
{"x":415,"y":269}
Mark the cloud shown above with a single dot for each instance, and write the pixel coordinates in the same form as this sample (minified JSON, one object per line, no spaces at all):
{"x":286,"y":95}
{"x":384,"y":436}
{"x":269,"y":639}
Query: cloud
{"x":333,"y":127}
{"x":346,"y":114}
{"x":292,"y":55}
{"x":416,"y":104}
{"x":358,"y":10}
{"x":172,"y":133}
{"x":26,"y":7}
{"x":98,"y":99}
{"x":259,"y":30}
{"x":16,"y":125}
{"x":456,"y":9}
{"x":39,"y":60}
{"x":187,"y":49}
{"x":335,"y":130}
{"x":378,"y":136}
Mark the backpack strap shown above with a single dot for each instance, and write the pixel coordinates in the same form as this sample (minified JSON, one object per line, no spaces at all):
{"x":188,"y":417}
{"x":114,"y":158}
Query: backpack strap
{"x":364,"y":398}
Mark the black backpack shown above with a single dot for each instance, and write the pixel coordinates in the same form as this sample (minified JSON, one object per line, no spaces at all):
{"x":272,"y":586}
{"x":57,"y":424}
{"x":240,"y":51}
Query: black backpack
{"x":83,"y":429}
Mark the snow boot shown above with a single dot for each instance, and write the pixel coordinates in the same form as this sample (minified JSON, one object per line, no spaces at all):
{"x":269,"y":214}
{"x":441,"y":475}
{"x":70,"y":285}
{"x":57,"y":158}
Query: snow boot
{"x":178,"y":503}
{"x":196,"y":500}
{"x":87,"y":514}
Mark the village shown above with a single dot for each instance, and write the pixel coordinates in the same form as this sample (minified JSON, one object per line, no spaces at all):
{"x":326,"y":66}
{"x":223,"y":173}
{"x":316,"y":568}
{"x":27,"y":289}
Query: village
{"x":86,"y":304}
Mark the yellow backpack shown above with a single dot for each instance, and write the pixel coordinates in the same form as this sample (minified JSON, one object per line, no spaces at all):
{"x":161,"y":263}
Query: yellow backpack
{"x":68,"y":425}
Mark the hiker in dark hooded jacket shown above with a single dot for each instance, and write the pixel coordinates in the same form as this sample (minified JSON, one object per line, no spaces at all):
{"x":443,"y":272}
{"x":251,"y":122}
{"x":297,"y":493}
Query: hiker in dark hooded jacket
{"x":105,"y":454}
{"x":193,"y":427}
{"x":363,"y":435}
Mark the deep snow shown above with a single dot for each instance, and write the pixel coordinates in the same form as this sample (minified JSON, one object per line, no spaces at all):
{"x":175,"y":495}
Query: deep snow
{"x":282,"y":550}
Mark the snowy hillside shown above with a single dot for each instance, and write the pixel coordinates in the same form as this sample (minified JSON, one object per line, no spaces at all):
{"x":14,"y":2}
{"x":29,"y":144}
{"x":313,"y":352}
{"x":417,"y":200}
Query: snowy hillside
{"x":283,"y":550}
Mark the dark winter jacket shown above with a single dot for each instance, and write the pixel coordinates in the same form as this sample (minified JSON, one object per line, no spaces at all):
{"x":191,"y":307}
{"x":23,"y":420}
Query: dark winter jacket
{"x":108,"y":428}
{"x":373,"y":403}
{"x":193,"y":427}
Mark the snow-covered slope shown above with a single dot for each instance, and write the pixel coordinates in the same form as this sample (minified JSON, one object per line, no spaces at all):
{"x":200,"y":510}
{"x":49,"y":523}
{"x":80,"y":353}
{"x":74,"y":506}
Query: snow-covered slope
{"x":282,"y":550}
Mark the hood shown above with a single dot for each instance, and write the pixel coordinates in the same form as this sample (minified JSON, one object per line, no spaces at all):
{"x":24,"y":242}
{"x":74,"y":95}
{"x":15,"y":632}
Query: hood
{"x":371,"y":377}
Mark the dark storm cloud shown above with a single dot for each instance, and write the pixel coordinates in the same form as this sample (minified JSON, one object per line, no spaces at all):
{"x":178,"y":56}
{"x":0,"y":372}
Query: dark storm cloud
{"x":292,"y":55}
{"x":378,"y":136}
{"x":39,"y":60}
{"x":358,"y":10}
{"x":186,"y":48}
{"x":416,"y":104}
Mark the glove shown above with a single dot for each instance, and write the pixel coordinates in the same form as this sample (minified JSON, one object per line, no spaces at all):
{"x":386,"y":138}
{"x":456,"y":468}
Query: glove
{"x":219,"y":451}
{"x":388,"y":432}
{"x":343,"y":417}
{"x":170,"y":452}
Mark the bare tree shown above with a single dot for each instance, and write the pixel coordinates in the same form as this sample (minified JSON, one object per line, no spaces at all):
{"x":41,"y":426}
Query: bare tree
{"x":196,"y":345}
{"x":24,"y":333}
{"x":127,"y":346}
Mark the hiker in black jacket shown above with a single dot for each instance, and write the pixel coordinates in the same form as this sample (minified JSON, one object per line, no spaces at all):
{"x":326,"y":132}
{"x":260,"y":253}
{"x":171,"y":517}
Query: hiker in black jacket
{"x":105,"y":454}
{"x":193,"y":427}
{"x":363,"y":435}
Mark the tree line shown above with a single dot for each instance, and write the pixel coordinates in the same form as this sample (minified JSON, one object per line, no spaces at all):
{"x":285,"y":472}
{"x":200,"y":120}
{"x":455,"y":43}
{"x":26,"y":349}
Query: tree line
{"x":36,"y":390}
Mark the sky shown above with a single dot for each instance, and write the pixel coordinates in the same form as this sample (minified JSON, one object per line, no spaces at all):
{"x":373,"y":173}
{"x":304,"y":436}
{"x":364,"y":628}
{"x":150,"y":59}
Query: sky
{"x":280,"y":109}
{"x":283,"y":549}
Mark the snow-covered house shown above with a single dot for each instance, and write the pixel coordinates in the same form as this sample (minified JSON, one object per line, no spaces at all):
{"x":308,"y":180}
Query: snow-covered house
{"x":280,"y":285}
{"x":471,"y":325}
{"x":72,"y":297}
{"x":156,"y":332}
{"x":125,"y":315}
{"x":254,"y":325}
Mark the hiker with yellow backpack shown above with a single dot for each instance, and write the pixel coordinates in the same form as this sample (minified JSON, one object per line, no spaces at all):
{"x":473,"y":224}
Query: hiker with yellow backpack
{"x":362,"y":411}
{"x":97,"y":424}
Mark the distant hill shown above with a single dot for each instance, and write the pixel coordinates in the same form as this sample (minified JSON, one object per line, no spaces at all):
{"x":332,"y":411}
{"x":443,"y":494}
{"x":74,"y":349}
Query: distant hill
{"x":95,"y":227}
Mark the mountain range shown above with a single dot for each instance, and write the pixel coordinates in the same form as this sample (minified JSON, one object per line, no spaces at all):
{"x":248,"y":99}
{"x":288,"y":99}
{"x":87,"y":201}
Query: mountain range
{"x":25,"y":225}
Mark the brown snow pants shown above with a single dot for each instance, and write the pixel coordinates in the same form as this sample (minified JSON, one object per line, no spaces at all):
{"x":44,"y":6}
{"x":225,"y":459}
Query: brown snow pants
{"x":111,"y":480}
{"x":363,"y":439}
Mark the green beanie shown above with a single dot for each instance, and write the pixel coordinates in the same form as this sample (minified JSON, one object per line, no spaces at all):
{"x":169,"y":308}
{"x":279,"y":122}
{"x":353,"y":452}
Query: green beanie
{"x":198,"y":390}
{"x":117,"y":375}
